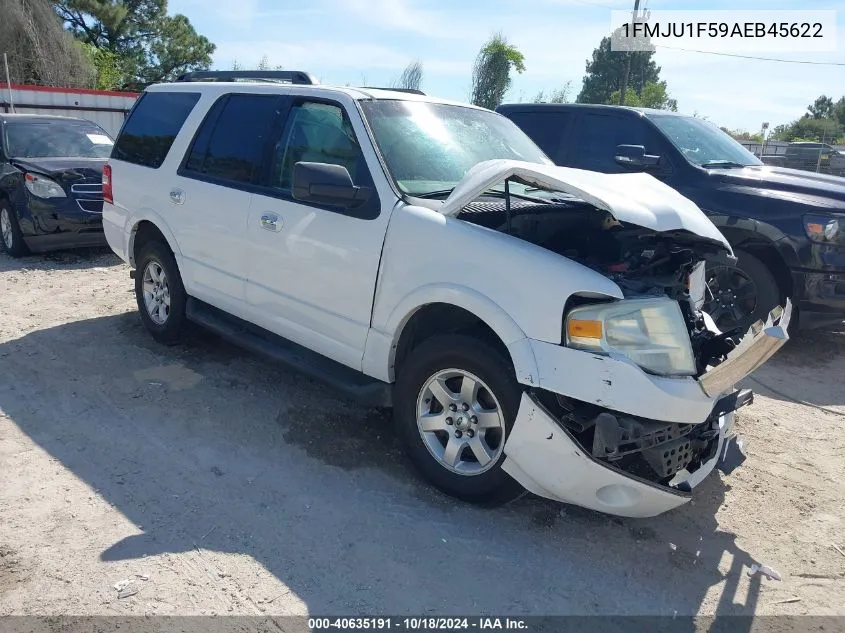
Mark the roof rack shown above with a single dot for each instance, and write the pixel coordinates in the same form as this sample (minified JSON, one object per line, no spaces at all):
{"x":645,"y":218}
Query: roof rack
{"x":285,"y":76}
{"x":413,"y":91}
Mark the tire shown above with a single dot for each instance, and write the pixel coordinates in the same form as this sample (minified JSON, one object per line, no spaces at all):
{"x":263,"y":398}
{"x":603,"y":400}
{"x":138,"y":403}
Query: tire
{"x":468,"y":478}
{"x":167,"y":323}
{"x":738,"y":304}
{"x":11,"y":238}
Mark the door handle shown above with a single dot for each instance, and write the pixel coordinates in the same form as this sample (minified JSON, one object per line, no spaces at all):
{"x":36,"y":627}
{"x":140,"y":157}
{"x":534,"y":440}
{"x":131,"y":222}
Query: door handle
{"x":177,"y":196}
{"x":271,"y":222}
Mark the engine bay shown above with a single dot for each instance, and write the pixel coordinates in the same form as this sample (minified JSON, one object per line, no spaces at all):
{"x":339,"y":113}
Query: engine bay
{"x":642,"y":262}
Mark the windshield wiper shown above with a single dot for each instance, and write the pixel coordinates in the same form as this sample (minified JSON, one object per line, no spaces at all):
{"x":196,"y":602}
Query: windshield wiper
{"x":723,"y":163}
{"x":433,"y":194}
{"x":489,"y":192}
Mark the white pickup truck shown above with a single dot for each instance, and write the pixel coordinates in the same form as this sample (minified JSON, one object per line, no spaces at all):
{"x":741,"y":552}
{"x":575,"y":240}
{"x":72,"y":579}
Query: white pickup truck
{"x":534,"y":327}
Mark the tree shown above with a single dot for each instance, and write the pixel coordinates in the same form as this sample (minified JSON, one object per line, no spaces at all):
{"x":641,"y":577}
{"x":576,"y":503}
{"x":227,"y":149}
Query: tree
{"x":264,"y":64}
{"x":743,"y":135}
{"x":606,"y":69}
{"x":839,"y":111}
{"x":39,"y":50}
{"x":653,"y":95}
{"x":149,"y":45}
{"x":558,"y":95}
{"x":107,"y":68}
{"x":823,"y":122}
{"x":411,"y":77}
{"x":821,"y":108}
{"x":491,"y":75}
{"x":810,"y":129}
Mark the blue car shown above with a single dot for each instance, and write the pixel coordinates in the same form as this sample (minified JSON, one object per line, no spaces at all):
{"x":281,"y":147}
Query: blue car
{"x":51,"y":191}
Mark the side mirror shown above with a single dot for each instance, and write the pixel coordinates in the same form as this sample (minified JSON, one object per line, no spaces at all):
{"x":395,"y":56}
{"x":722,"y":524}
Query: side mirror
{"x":635,"y":156}
{"x":324,"y":183}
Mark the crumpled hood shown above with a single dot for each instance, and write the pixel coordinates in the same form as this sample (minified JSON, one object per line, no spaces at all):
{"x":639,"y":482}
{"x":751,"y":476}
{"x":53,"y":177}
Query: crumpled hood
{"x":63,"y":169}
{"x":634,"y":198}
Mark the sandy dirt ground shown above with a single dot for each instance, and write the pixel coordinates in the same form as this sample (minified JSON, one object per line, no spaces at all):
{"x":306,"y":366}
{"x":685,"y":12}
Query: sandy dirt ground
{"x":214,"y":482}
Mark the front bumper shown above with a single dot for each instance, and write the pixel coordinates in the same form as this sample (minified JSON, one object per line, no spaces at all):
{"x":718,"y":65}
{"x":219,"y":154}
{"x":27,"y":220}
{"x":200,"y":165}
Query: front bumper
{"x":545,"y":456}
{"x":821,"y":297}
{"x":548,"y":461}
{"x":74,"y":221}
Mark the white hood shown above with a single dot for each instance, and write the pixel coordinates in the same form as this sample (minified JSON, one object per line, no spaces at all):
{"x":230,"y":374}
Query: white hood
{"x":634,"y":198}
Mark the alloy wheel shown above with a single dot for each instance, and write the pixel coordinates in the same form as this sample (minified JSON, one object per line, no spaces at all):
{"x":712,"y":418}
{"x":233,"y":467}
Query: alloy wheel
{"x":733,"y":297}
{"x":156,"y":292}
{"x":6,"y":228}
{"x":461,"y":422}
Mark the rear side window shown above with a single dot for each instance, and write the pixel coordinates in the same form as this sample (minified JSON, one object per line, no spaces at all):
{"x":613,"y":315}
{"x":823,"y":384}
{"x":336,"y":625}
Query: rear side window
{"x":231,"y":139}
{"x":546,"y":129}
{"x":152,"y":127}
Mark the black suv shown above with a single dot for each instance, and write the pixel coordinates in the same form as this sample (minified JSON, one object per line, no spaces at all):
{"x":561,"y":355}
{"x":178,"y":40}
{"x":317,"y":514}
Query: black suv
{"x":51,"y":182}
{"x":787,"y":227}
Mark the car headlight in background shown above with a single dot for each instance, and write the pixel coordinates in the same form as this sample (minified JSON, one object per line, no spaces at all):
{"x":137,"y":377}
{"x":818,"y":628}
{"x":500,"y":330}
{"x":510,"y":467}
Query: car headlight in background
{"x":824,"y":228}
{"x":43,"y":187}
{"x":651,"y":332}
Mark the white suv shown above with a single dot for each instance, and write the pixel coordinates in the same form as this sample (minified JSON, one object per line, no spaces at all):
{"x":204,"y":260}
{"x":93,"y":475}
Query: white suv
{"x":534,"y":327}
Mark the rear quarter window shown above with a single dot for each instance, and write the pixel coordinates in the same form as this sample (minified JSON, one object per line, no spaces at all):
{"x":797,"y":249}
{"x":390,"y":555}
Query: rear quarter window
{"x":152,"y":127}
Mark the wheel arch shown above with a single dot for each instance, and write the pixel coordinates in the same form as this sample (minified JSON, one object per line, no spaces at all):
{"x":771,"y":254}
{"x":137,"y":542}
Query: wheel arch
{"x":449,"y":308}
{"x":767,"y":250}
{"x":146,"y":230}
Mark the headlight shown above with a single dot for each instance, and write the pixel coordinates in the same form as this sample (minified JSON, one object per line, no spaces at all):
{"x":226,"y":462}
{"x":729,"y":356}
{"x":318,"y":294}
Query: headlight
{"x":651,"y":332}
{"x":824,"y":228}
{"x":43,"y":187}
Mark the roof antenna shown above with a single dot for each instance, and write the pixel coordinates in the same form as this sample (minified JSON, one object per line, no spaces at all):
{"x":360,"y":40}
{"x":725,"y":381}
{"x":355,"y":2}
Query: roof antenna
{"x":508,"y":204}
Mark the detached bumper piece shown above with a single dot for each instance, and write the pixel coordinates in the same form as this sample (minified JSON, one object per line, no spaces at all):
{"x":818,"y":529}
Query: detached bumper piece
{"x":757,"y":346}
{"x":657,"y":465}
{"x":731,"y":455}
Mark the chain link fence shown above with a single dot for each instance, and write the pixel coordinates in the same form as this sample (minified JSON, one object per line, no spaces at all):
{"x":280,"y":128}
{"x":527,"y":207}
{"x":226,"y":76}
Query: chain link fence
{"x":822,"y":158}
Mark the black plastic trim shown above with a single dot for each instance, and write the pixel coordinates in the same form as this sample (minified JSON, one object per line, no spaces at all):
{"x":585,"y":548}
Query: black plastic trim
{"x":672,"y":491}
{"x":353,"y":383}
{"x":732,"y":402}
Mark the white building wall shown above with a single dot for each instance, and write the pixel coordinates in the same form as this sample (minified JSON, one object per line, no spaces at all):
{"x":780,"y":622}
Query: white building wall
{"x":107,"y":109}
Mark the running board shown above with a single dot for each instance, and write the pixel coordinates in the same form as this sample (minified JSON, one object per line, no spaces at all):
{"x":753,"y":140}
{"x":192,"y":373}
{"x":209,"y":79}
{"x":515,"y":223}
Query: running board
{"x":354,"y":384}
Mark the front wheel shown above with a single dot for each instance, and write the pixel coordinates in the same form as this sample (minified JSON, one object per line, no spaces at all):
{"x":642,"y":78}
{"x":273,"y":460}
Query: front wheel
{"x":741,"y":294}
{"x":456,"y":402}
{"x":10,"y":232}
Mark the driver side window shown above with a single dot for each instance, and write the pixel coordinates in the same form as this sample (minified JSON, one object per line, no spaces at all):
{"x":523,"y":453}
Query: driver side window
{"x":597,"y":136}
{"x":318,"y":133}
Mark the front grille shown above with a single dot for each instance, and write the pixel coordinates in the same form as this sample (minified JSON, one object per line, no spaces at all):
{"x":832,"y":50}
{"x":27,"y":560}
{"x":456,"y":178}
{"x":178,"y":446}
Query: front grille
{"x":89,"y":189}
{"x":88,"y":196}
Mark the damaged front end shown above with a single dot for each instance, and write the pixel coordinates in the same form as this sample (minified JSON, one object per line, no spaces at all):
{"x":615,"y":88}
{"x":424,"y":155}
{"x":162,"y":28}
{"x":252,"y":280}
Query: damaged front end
{"x":636,"y":406}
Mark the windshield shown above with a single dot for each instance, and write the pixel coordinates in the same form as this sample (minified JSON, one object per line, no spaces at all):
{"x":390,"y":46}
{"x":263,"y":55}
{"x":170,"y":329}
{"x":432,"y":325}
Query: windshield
{"x":55,"y":138}
{"x":429,"y":147}
{"x":702,"y":143}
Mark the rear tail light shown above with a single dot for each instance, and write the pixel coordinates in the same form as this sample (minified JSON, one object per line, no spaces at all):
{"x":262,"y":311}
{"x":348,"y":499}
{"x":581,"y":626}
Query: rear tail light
{"x":107,"y":191}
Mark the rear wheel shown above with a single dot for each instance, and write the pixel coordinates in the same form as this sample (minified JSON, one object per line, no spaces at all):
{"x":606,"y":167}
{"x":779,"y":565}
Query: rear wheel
{"x":160,"y":294}
{"x":456,"y":402}
{"x":741,"y":294}
{"x":10,"y":232}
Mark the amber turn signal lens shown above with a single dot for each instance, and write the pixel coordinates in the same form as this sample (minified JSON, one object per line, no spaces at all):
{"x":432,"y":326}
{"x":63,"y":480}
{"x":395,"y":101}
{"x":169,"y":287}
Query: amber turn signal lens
{"x":584,"y":329}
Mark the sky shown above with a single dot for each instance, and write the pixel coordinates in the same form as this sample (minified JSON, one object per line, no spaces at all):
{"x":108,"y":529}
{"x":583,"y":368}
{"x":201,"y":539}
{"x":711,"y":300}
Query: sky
{"x":369,"y":42}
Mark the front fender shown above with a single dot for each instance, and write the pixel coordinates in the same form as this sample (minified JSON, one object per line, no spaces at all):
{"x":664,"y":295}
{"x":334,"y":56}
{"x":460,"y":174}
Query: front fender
{"x":384,"y":338}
